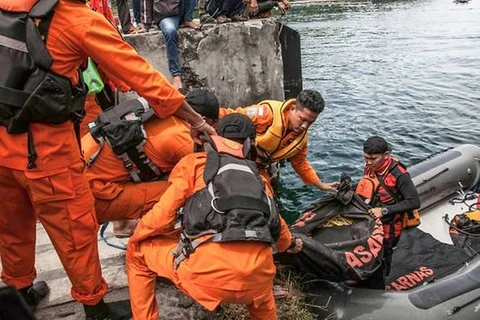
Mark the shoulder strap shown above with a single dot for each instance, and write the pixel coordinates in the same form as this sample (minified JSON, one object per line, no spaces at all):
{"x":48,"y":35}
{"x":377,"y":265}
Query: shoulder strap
{"x":40,"y":14}
{"x":212,"y":164}
{"x":42,"y":8}
{"x":389,"y":190}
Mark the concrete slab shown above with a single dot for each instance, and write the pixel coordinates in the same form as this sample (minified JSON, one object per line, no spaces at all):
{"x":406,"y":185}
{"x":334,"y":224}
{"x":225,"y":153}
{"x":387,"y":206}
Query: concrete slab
{"x":60,"y":305}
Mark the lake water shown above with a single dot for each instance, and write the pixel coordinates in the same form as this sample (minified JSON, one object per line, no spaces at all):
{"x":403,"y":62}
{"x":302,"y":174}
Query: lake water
{"x":406,"y":70}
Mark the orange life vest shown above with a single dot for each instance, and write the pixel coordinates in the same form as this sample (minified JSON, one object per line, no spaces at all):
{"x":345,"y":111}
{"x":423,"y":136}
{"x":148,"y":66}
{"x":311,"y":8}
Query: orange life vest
{"x":368,"y":187}
{"x":268,"y":143}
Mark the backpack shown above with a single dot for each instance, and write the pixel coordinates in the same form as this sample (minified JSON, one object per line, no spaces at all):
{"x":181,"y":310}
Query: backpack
{"x":121,"y":127}
{"x":232,"y":206}
{"x":30,"y":91}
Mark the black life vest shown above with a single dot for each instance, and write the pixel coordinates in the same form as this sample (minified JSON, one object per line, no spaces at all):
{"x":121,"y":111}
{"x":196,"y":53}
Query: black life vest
{"x":122,"y":127}
{"x":30,"y":91}
{"x":232,"y":206}
{"x":367,"y":189}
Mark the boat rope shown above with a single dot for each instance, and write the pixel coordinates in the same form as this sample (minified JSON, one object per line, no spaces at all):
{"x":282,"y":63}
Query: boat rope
{"x":447,"y":220}
{"x":460,"y":307}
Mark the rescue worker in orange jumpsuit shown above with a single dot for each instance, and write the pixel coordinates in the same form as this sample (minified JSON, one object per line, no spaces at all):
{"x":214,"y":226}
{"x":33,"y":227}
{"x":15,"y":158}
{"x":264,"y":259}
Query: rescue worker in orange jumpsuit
{"x":282,"y":134}
{"x":168,"y":140}
{"x":92,"y":107}
{"x":388,"y":188}
{"x":216,"y":272}
{"x":53,"y":188}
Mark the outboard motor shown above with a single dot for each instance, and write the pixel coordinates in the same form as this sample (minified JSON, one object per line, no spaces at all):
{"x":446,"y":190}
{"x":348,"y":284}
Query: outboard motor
{"x":441,"y":175}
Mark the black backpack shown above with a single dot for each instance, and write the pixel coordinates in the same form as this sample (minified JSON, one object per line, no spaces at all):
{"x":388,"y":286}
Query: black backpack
{"x":233,"y":205}
{"x":121,"y":127}
{"x":30,"y":91}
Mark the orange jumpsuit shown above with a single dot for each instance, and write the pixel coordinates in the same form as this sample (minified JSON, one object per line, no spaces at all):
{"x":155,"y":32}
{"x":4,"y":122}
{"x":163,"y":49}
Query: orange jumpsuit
{"x":92,"y":110}
{"x":116,"y":196}
{"x":262,"y":116}
{"x":56,"y":192}
{"x":229,"y":272}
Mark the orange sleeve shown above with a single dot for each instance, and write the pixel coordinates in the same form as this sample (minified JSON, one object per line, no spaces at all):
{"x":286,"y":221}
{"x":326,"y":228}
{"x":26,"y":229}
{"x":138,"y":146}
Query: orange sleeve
{"x":119,"y":84}
{"x":168,"y":141}
{"x":285,"y":238}
{"x":184,"y":180}
{"x":91,"y":35}
{"x":303,"y":167}
{"x":260,"y":114}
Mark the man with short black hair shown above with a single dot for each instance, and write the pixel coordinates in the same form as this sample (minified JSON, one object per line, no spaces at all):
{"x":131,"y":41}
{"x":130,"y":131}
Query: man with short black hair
{"x":222,"y":253}
{"x":282,"y":134}
{"x":388,"y":188}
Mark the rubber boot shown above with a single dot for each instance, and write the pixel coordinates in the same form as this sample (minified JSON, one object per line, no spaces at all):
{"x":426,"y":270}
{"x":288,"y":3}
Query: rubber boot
{"x":108,"y":311}
{"x":34,"y":293}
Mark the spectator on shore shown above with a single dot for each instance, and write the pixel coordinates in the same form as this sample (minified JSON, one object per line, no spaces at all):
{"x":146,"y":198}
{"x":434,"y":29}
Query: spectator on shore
{"x":137,"y":17}
{"x":282,"y":134}
{"x":265,"y":8}
{"x":146,"y":15}
{"x":170,"y":15}
{"x":125,"y":18}
{"x":218,"y":258}
{"x":41,"y":166}
{"x":118,"y":197}
{"x":103,"y":7}
{"x":229,"y":10}
{"x":203,"y":15}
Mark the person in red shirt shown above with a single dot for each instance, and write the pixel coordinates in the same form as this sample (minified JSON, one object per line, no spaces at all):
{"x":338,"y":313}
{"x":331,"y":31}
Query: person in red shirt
{"x":216,"y":272}
{"x":42,"y":168}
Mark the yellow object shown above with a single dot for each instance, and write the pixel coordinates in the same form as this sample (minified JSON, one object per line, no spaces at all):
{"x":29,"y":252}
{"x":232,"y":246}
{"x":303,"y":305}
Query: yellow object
{"x":269,"y":142}
{"x":411,"y":219}
{"x":336,"y":221}
{"x":474,"y":215}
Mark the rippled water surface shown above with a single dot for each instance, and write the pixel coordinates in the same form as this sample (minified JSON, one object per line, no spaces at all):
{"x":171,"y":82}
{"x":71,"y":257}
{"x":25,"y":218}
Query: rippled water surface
{"x":405,"y":70}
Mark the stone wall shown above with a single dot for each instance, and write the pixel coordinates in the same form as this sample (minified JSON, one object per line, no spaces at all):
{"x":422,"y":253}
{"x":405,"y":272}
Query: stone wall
{"x":240,"y":62}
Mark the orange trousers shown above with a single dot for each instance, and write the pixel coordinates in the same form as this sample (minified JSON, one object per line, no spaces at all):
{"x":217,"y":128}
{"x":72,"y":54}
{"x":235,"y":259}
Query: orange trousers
{"x":153,"y":257}
{"x":62,"y":201}
{"x":135,"y":200}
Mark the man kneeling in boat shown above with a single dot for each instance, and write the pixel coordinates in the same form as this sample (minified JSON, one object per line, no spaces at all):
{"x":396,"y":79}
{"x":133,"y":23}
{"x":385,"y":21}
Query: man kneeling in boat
{"x":282,"y":134}
{"x":388,"y":188}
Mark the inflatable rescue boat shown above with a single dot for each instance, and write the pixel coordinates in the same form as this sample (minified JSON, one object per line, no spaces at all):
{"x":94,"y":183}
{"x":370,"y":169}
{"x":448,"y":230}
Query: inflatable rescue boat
{"x":436,"y":266}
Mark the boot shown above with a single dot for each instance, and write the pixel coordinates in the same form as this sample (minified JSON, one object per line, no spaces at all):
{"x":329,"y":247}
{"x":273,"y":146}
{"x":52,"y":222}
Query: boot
{"x":108,"y":311}
{"x":34,"y":293}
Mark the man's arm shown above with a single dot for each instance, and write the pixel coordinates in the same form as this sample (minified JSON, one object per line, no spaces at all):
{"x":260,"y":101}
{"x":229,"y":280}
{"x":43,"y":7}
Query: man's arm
{"x":121,"y":62}
{"x":407,"y":189}
{"x":160,"y":220}
{"x":411,"y":200}
{"x":306,"y":172}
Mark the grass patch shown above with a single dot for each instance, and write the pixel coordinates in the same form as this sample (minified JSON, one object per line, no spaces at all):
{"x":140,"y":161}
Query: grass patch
{"x":294,"y":306}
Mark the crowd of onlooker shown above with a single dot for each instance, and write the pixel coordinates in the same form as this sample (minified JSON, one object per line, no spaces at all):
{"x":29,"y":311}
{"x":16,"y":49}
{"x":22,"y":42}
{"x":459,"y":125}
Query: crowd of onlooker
{"x":169,"y":15}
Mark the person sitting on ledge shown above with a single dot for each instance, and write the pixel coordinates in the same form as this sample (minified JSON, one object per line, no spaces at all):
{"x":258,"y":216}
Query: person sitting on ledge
{"x":264,"y":8}
{"x":229,"y":10}
{"x":169,"y":15}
